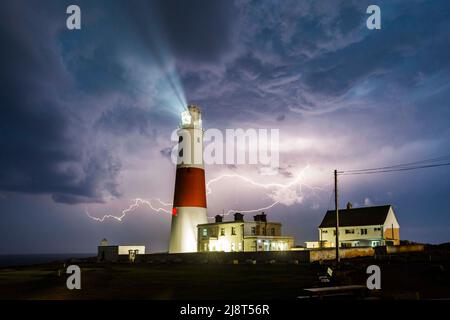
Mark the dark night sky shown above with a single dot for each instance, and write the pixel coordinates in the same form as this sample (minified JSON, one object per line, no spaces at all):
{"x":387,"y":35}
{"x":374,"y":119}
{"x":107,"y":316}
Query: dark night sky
{"x":86,"y":116}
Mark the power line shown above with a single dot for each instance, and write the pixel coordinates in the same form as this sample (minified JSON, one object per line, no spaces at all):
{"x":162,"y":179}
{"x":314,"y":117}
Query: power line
{"x":444,"y":158}
{"x":392,"y":169}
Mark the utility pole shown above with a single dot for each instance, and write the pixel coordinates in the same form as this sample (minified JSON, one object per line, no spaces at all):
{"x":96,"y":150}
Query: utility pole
{"x":336,"y":206}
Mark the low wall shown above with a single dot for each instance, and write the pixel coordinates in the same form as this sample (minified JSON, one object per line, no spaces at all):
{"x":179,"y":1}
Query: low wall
{"x":405,"y":248}
{"x":227,"y":257}
{"x":303,"y":256}
{"x":344,"y":253}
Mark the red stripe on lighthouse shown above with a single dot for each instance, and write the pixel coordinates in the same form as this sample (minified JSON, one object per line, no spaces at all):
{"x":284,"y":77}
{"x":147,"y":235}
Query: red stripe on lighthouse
{"x":190,"y":190}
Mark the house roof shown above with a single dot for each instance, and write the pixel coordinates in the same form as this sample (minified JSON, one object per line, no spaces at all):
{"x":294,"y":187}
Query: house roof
{"x":240,"y":222}
{"x":366,"y":216}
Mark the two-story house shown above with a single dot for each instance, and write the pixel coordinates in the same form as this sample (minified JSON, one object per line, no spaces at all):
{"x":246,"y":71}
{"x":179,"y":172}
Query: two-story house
{"x":367,"y":226}
{"x":239,"y":235}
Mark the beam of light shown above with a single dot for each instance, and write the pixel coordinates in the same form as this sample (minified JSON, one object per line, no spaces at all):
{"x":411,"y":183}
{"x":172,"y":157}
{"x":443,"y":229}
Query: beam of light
{"x":163,"y":205}
{"x":152,"y":35}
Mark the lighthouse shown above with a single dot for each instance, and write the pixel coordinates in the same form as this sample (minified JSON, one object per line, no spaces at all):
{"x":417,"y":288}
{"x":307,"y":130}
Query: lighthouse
{"x":189,"y":204}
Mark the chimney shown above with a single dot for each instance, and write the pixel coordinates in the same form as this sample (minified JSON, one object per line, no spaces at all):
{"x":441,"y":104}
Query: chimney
{"x":260,"y":217}
{"x":349,"y":205}
{"x":218,"y":218}
{"x":263,"y":217}
{"x":238,"y":216}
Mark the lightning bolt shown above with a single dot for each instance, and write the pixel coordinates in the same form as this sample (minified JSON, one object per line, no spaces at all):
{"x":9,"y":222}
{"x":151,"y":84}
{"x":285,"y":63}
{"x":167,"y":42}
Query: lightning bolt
{"x":137,"y":203}
{"x":263,"y":185}
{"x":250,"y":211}
{"x":296,"y":181}
{"x":268,"y":186}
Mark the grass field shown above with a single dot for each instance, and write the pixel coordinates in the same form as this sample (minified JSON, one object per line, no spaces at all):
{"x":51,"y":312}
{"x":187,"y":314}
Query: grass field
{"x":400,"y":280}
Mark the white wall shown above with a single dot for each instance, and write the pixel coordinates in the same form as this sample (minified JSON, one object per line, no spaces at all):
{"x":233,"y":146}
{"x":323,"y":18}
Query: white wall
{"x":125,"y":249}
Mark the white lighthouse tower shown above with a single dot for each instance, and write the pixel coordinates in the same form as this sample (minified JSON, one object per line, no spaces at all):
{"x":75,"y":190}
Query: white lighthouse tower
{"x":189,"y":204}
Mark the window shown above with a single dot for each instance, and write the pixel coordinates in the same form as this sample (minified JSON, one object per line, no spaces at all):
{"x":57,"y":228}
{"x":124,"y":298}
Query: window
{"x":324,"y":231}
{"x":222,"y":231}
{"x":264,"y":230}
{"x":272,"y":231}
{"x":377,"y":229}
{"x":233,"y":231}
{"x":363,"y":231}
{"x":240,"y":246}
{"x":204,"y":232}
{"x":205,"y":246}
{"x":349,"y":231}
{"x":253,"y":230}
{"x":233,"y":246}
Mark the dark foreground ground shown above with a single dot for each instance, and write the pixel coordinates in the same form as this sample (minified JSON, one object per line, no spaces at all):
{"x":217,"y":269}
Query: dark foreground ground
{"x":421,"y":276}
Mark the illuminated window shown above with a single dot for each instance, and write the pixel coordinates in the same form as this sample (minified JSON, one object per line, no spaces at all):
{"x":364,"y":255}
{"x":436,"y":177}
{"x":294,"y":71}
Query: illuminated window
{"x":240,"y":246}
{"x":204,"y":232}
{"x":186,"y":117}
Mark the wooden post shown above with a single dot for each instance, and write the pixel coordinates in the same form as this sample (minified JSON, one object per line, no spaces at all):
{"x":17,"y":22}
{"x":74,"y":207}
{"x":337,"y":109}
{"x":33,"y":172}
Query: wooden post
{"x":336,"y":206}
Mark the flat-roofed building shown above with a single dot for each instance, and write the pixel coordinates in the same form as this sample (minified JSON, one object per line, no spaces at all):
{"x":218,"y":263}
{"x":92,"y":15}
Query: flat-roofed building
{"x":239,"y":235}
{"x":113,"y":253}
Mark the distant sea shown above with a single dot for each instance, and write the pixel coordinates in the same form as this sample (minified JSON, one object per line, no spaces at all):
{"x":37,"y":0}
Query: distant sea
{"x":9,"y":260}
